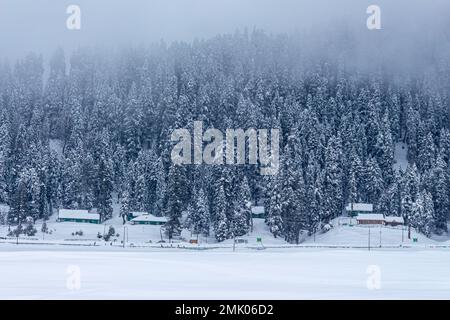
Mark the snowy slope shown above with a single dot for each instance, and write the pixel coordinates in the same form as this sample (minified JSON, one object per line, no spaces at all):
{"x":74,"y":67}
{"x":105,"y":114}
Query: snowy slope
{"x":64,"y":232}
{"x":136,"y":235}
{"x":342,"y":234}
{"x":400,"y":156}
{"x":260,"y":230}
{"x":358,"y":236}
{"x":56,"y":145}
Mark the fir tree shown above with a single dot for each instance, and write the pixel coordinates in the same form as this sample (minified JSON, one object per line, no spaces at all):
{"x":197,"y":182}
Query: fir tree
{"x":175,"y":205}
{"x":422,"y":213}
{"x":274,"y":220}
{"x":221,"y":231}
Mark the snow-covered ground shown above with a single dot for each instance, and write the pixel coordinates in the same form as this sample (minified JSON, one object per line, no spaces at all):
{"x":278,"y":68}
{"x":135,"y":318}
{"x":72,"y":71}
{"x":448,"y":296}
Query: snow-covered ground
{"x":110,"y":273}
{"x":336,"y":264}
{"x":57,"y":146}
{"x":343,"y":234}
{"x":400,"y":156}
{"x":135,"y":235}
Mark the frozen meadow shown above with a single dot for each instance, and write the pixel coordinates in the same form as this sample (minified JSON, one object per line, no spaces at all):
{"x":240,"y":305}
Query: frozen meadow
{"x":39,"y":272}
{"x":333,"y":265}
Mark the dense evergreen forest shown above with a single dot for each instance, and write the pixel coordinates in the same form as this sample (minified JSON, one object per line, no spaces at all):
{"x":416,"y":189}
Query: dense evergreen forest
{"x":86,"y":130}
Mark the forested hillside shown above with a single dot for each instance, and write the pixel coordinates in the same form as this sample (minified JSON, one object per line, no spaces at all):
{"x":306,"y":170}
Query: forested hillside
{"x":112,"y":113}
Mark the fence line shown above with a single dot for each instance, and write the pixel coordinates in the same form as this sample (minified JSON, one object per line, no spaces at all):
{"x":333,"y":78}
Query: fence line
{"x":228,"y":246}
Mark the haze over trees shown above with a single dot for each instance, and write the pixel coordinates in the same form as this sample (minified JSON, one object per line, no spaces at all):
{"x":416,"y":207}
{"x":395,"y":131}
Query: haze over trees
{"x":112,"y":115}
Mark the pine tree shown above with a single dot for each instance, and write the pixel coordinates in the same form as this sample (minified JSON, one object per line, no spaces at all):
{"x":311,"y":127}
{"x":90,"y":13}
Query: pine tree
{"x":385,"y":149}
{"x":313,"y":198}
{"x":203,"y":226}
{"x":198,"y":214}
{"x":105,"y":178}
{"x":274,"y":220}
{"x":426,"y":157}
{"x":333,"y":193}
{"x":125,"y":205}
{"x":389,"y":202}
{"x":353,"y":191}
{"x":132,"y":121}
{"x":242,"y":209}
{"x":440,"y":191}
{"x":444,"y":143}
{"x":221,"y":231}
{"x":20,"y":205}
{"x":5,"y":149}
{"x":70,"y":188}
{"x":34,"y":191}
{"x":374,"y":183}
{"x":175,"y":205}
{"x":422,"y":213}
{"x":161,"y":194}
{"x":240,"y":225}
{"x":412,"y":122}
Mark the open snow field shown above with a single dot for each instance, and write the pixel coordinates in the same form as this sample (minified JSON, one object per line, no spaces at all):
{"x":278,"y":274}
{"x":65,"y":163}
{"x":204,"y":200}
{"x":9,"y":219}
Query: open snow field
{"x":341,"y":235}
{"x":136,"y":235}
{"x":39,"y":272}
{"x":335,"y":264}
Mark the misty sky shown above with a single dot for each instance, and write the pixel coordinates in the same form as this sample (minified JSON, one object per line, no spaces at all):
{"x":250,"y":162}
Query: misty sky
{"x":40,"y":25}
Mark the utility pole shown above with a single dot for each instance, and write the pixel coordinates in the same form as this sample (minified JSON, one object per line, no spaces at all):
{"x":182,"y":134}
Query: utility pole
{"x":380,"y":235}
{"x":124,"y":230}
{"x":234,"y":237}
{"x":249,"y":206}
{"x":403,"y":229}
{"x":351,"y":213}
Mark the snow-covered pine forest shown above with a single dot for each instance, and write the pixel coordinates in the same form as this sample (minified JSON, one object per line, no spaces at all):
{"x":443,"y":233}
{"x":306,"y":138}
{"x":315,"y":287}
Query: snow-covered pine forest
{"x":83,"y":128}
